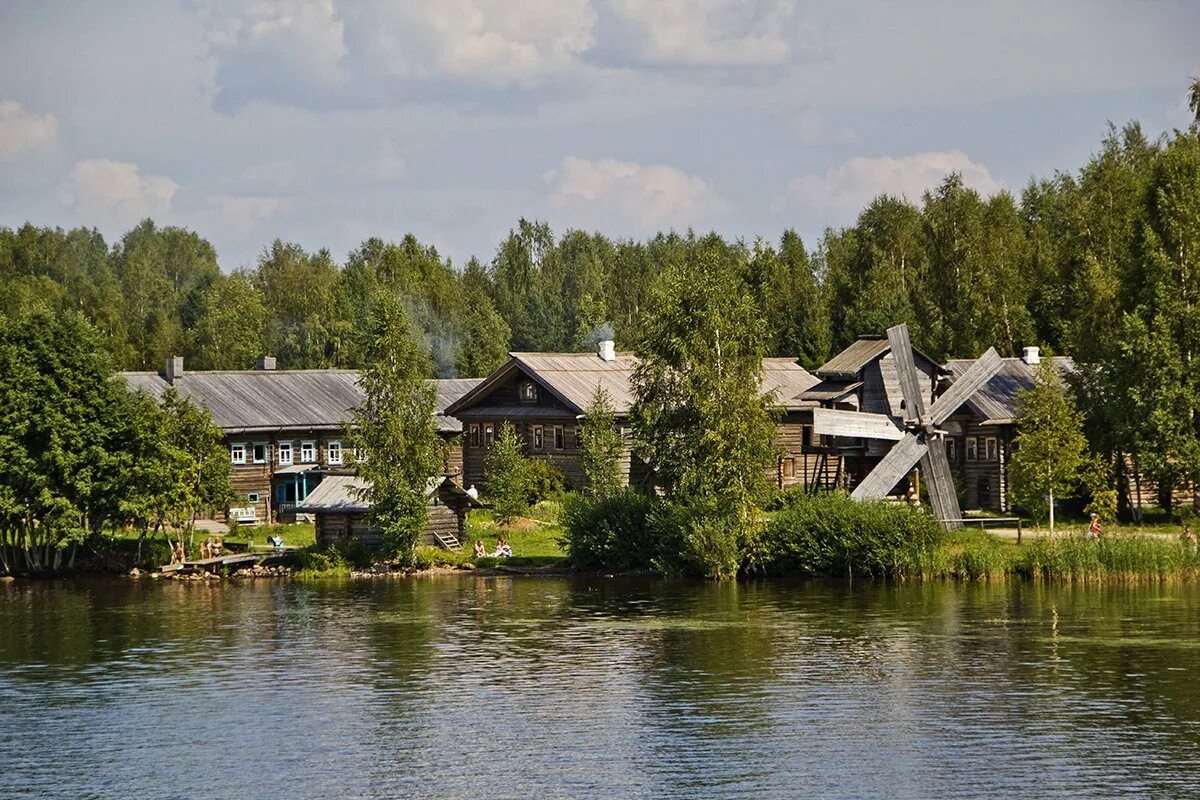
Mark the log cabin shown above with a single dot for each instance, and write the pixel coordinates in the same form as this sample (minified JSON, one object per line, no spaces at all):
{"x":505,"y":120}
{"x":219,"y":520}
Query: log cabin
{"x":341,"y":510}
{"x":545,"y":396}
{"x":285,"y":429}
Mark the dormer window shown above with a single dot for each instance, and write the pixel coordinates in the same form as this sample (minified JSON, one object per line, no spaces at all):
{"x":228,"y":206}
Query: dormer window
{"x":529,"y":392}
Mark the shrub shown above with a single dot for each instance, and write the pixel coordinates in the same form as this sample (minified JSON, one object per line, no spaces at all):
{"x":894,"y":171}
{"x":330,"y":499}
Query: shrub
{"x":507,"y":476}
{"x":609,"y":532}
{"x":543,"y":480}
{"x":833,"y":534}
{"x":704,"y":536}
{"x":351,"y":551}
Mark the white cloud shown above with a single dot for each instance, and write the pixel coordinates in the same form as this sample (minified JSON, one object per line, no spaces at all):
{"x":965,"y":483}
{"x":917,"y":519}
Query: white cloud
{"x":851,"y":185}
{"x":240,"y":215}
{"x":115,"y":195}
{"x":494,"y":42}
{"x":285,"y":49}
{"x":625,"y":196}
{"x":23,"y":132}
{"x":710,"y":33}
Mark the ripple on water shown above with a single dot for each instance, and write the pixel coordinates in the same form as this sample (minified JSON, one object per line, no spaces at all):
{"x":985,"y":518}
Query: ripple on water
{"x":634,"y":688}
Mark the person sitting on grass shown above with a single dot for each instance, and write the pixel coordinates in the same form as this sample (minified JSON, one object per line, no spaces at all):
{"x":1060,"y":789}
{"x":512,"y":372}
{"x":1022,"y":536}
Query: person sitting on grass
{"x":502,"y":549}
{"x":480,"y":548}
{"x":1094,"y":528}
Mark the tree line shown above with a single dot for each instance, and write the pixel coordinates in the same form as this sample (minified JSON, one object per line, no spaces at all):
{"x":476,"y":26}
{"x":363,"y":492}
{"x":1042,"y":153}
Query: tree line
{"x":1098,"y":263}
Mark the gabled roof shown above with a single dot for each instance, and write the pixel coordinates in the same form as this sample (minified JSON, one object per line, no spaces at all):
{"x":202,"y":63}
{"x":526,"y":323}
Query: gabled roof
{"x":846,"y":365}
{"x":346,"y":494}
{"x":570,"y":377}
{"x":789,"y":381}
{"x":573,"y":378}
{"x":248,"y":400}
{"x":996,"y":402}
{"x":828,"y":391}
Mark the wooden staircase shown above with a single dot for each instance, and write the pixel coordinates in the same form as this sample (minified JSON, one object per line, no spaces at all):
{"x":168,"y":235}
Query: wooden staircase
{"x":448,"y":540}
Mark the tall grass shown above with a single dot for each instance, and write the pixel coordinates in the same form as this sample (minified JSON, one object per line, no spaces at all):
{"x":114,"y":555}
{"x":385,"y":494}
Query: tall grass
{"x":1111,"y":558}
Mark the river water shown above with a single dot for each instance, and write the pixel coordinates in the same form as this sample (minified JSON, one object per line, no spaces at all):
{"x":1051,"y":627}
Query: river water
{"x":464,"y":687}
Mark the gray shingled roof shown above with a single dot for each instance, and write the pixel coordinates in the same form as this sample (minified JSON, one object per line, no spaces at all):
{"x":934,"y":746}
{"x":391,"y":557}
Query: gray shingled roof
{"x":344,"y":494}
{"x":829,"y":390}
{"x":788,"y":380}
{"x":242,"y":400}
{"x":996,"y":402}
{"x":573,"y":377}
{"x":849,"y":362}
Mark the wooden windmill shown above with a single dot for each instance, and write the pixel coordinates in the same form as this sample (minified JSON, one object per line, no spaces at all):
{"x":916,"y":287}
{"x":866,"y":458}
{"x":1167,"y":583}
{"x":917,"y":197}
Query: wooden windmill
{"x":916,"y":434}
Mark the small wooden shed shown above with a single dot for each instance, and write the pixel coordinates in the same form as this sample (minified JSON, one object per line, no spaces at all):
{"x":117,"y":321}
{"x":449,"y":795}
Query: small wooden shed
{"x":341,"y":511}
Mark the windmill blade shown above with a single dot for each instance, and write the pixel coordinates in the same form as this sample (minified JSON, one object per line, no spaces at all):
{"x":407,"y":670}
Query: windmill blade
{"x":971,"y":381}
{"x":910,"y":380}
{"x":855,"y":424}
{"x":903,"y":456}
{"x":939,"y":483}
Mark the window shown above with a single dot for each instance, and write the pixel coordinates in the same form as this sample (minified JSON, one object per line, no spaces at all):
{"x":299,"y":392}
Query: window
{"x":489,"y":434}
{"x":972,"y":449}
{"x":789,"y":468}
{"x":529,"y":392}
{"x":360,"y":454}
{"x":237,"y":453}
{"x":560,"y":440}
{"x":991,"y":448}
{"x":333,"y":452}
{"x":951,"y":449}
{"x":474,"y":434}
{"x":252,"y":497}
{"x":284,"y":451}
{"x":806,"y":436}
{"x":308,"y":452}
{"x":260,"y":452}
{"x":539,"y":437}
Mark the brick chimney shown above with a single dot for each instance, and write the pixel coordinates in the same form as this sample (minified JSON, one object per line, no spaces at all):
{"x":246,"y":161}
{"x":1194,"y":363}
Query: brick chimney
{"x":1031,"y":356}
{"x":607,"y":350}
{"x":265,"y":363}
{"x":174,"y":369}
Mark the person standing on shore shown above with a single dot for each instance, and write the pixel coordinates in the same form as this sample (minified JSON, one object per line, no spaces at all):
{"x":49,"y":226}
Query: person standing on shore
{"x":1094,"y":528}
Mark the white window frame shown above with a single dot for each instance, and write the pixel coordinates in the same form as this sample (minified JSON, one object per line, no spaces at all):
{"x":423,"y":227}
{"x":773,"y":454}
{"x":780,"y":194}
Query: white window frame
{"x":252,"y":497}
{"x":972,"y":448}
{"x":237,"y":453}
{"x":952,"y":449}
{"x":991,"y":449}
{"x":284,"y":454}
{"x":489,"y":434}
{"x":560,"y":438}
{"x":333,"y":452}
{"x":475,"y":440}
{"x":310,"y":446}
{"x":539,"y":437}
{"x":266,"y":452}
{"x":529,"y":392}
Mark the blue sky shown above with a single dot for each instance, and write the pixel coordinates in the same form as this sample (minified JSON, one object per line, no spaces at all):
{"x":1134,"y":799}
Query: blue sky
{"x":328,"y":121}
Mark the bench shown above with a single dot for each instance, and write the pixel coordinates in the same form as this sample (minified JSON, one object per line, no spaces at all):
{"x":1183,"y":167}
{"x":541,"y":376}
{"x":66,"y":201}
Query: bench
{"x":244,"y":516}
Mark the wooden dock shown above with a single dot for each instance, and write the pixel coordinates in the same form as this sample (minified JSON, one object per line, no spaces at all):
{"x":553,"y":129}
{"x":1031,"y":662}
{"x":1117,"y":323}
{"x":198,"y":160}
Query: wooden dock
{"x":231,"y":560}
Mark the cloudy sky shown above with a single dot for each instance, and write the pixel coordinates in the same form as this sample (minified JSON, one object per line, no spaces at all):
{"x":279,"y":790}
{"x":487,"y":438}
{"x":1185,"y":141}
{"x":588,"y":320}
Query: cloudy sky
{"x":327,"y":121}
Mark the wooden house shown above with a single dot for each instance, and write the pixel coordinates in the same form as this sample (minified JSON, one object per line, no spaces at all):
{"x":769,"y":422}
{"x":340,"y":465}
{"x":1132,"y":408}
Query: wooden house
{"x":285,"y":429}
{"x":340,"y":510}
{"x":862,"y":377}
{"x":544,"y":396}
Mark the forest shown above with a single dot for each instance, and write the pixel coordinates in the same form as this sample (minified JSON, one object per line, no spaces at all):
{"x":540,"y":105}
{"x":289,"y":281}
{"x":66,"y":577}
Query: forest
{"x":1101,"y":263}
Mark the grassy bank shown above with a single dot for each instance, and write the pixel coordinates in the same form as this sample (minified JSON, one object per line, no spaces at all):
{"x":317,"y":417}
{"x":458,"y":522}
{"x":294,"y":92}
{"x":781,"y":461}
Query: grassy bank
{"x":975,"y":555}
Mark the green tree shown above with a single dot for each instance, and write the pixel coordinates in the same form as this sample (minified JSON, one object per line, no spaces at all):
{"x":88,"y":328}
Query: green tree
{"x":1194,"y":98}
{"x":700,"y":420}
{"x":792,"y":303}
{"x":507,"y":475}
{"x":298,"y":290}
{"x":601,"y":447}
{"x":1051,"y":455}
{"x":395,"y":433}
{"x":230,"y":325}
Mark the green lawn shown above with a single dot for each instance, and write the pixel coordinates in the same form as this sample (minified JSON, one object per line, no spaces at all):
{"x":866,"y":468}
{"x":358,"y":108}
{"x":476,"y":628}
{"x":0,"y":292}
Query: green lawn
{"x":534,"y":540}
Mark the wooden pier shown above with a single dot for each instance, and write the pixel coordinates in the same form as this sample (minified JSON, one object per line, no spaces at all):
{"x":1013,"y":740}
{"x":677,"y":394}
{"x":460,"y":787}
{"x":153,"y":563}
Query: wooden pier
{"x":231,"y":560}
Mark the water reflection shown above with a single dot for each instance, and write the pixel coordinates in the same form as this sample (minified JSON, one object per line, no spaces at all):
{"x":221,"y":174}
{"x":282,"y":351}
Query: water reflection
{"x":499,"y":687}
